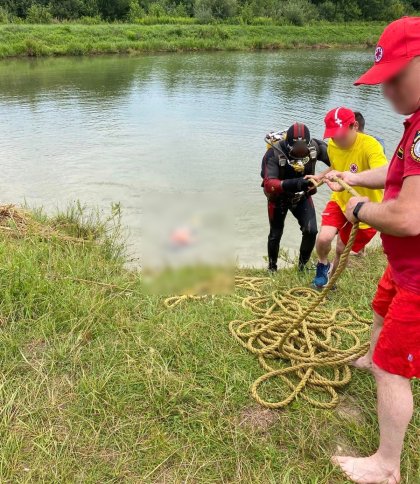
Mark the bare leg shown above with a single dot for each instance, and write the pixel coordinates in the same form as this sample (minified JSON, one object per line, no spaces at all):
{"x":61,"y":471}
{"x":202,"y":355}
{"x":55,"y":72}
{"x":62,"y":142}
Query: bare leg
{"x":395,"y":409}
{"x":324,"y":241}
{"x":365,"y":362}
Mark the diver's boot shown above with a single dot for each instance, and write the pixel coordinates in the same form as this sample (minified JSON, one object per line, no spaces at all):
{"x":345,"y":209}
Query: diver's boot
{"x":302,"y":266}
{"x":303,"y":260}
{"x":272,"y":266}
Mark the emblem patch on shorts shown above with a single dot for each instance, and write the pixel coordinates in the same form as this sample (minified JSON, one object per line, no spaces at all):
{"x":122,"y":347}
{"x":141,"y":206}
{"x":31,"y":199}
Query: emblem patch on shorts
{"x":354,"y":168}
{"x":415,"y":148}
{"x":400,"y":153}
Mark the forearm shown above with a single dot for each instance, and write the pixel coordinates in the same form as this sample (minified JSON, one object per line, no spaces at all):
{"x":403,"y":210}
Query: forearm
{"x":323,"y":173}
{"x":370,"y":179}
{"x":390,"y":218}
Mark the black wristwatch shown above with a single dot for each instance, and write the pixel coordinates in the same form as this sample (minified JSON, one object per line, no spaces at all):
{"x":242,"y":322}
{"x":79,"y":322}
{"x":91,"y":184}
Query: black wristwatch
{"x":357,"y":209}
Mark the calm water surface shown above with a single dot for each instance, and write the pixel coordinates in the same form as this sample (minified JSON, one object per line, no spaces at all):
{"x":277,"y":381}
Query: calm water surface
{"x":111,"y":129}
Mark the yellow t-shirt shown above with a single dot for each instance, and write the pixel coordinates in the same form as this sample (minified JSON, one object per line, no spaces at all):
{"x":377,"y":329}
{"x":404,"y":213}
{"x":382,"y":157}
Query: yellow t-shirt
{"x":365,"y":154}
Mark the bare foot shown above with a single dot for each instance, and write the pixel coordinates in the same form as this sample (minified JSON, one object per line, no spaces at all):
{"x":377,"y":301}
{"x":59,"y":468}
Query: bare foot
{"x":368,"y":470}
{"x":363,"y":363}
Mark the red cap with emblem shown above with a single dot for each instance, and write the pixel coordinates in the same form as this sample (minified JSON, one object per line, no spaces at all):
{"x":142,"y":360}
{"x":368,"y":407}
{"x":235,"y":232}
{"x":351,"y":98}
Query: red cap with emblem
{"x":398,"y":44}
{"x":337,"y":122}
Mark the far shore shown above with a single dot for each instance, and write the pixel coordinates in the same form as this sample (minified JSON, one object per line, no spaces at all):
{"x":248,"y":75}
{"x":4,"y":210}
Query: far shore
{"x":67,"y":39}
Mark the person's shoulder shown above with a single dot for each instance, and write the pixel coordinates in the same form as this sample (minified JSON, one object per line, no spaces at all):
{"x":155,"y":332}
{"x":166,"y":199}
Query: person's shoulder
{"x":369,"y":141}
{"x":331,"y":145}
{"x":318,"y":142}
{"x":270,"y":153}
{"x":415,"y":120}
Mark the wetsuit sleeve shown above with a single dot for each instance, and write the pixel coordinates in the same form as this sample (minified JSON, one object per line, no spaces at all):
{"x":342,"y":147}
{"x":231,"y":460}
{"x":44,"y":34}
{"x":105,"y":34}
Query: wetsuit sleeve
{"x":271,"y":174}
{"x":322,"y":152}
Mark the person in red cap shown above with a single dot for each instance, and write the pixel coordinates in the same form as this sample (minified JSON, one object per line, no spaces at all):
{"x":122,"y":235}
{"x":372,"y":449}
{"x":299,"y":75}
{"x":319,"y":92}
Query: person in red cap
{"x":348,"y":149}
{"x":394,"y":356}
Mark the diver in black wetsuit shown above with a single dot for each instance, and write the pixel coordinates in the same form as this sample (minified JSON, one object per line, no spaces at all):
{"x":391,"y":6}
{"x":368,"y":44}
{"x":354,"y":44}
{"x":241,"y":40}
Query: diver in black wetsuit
{"x":292,"y":156}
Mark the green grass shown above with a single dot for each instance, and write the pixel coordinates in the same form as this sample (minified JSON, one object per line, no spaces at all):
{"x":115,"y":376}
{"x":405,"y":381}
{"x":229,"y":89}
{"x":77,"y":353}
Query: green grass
{"x":71,"y":39}
{"x":100,"y":383}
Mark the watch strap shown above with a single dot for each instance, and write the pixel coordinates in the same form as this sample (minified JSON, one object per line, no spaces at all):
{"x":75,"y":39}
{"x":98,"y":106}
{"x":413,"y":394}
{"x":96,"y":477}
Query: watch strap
{"x":357,"y":209}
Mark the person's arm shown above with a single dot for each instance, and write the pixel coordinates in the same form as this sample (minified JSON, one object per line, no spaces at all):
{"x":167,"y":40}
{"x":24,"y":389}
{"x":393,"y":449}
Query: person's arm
{"x":270,"y":172}
{"x":399,"y":217}
{"x":373,"y":178}
{"x":368,"y":179}
{"x":274,"y":185}
{"x":322,"y":152}
{"x":327,"y":160}
{"x":320,"y":177}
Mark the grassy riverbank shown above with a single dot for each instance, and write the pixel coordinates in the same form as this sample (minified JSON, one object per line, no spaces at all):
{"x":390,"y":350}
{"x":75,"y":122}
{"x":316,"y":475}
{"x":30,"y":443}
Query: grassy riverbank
{"x":72,"y":39}
{"x":100,"y":383}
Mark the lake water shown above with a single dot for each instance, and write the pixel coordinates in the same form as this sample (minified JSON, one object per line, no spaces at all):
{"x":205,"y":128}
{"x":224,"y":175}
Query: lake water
{"x":117,"y":129}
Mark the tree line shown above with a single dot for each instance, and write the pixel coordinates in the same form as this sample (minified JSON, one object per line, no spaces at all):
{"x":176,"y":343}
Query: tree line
{"x":297,"y":12}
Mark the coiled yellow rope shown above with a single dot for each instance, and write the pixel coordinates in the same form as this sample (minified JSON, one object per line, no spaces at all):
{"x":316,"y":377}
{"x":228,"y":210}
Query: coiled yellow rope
{"x":317,"y":344}
{"x":293,"y":328}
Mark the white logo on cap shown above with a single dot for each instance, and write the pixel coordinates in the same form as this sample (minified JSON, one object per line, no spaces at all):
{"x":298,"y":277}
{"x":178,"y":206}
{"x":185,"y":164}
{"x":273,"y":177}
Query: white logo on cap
{"x":338,"y":121}
{"x":379,"y":53}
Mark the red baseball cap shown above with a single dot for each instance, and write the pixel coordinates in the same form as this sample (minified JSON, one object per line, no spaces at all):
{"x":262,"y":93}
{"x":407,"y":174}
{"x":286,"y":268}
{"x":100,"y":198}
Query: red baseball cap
{"x":337,"y":121}
{"x":397,"y":46}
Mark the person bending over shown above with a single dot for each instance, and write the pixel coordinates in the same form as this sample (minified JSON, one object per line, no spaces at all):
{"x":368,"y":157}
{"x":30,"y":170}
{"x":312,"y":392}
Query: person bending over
{"x":348,"y":150}
{"x":291,"y":156}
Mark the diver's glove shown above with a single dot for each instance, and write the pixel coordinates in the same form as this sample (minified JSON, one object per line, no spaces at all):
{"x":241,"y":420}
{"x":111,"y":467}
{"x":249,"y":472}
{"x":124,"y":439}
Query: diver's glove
{"x":296,"y":185}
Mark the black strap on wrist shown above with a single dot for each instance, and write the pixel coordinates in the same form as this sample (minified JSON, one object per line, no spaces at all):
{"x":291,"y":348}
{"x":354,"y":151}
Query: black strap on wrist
{"x":357,"y":210}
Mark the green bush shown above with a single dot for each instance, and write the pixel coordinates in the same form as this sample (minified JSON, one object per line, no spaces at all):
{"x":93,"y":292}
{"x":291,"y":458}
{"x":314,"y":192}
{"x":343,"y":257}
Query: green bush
{"x":352,"y":11}
{"x":131,"y":35}
{"x":90,"y":20}
{"x":67,"y":9}
{"x":35,"y":48}
{"x":156,"y":10}
{"x":396,"y":10}
{"x":247,"y":13}
{"x":297,"y":12}
{"x":383,"y":9}
{"x":4,"y":15}
{"x":218,"y":9}
{"x":328,"y":11}
{"x":135,"y":12}
{"x":262,"y":21}
{"x":203,"y":13}
{"x":38,"y":14}
{"x":179,"y":10}
{"x":165,"y":20}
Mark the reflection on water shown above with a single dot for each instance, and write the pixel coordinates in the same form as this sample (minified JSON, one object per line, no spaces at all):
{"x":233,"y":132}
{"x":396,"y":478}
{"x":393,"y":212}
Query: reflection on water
{"x":114,"y":129}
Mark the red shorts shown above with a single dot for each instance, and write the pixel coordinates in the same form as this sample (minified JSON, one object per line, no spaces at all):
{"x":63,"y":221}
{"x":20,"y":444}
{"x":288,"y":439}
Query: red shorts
{"x":398,"y":347}
{"x":333,"y":216}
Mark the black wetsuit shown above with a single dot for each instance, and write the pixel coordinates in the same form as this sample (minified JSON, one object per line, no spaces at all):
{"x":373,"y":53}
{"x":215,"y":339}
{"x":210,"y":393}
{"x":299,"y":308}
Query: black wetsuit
{"x":274,"y":170}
